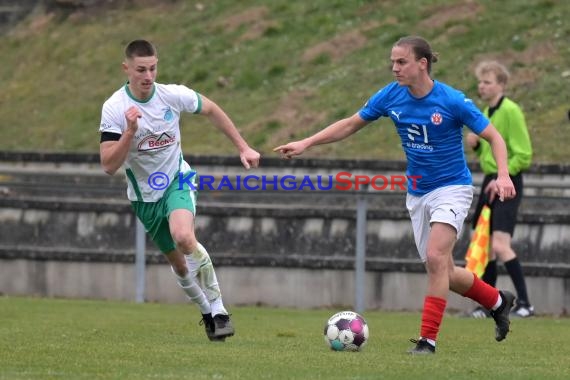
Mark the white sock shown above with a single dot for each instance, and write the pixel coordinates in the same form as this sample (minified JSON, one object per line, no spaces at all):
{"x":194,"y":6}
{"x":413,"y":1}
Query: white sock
{"x":192,"y":265}
{"x":200,"y":265}
{"x":194,"y":292}
{"x":218,"y":307}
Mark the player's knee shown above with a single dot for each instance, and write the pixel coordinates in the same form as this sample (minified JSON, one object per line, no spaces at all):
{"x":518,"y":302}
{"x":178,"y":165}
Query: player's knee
{"x":185,"y":241}
{"x":500,"y":248}
{"x":436,"y":262}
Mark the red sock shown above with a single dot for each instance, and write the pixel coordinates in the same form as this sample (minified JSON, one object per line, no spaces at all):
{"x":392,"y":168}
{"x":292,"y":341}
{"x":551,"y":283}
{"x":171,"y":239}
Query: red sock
{"x":483,"y":293}
{"x":432,"y":316}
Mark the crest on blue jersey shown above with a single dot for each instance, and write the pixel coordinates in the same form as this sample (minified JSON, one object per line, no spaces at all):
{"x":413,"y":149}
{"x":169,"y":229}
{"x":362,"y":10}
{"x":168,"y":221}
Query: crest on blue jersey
{"x":436,"y":118}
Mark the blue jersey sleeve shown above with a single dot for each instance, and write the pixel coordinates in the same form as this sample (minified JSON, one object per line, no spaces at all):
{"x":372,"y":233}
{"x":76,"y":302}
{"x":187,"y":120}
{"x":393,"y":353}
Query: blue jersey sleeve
{"x":470,"y":115}
{"x":375,"y":107}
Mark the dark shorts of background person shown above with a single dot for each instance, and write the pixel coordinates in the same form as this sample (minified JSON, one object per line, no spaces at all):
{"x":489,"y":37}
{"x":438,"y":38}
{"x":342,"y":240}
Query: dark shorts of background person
{"x":503,"y":214}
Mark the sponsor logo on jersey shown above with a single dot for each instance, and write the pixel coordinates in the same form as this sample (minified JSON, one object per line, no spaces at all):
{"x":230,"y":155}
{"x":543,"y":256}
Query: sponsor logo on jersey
{"x":168,"y":115}
{"x":153,"y":142}
{"x":396,"y":114}
{"x":436,"y":118}
{"x":104,"y":127}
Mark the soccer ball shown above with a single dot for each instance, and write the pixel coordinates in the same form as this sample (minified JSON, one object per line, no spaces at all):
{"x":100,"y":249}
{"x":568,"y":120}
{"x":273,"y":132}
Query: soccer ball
{"x":346,"y":331}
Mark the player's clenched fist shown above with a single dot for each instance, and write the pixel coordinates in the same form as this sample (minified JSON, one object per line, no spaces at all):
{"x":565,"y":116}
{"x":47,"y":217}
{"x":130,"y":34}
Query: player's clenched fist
{"x":132,"y":115}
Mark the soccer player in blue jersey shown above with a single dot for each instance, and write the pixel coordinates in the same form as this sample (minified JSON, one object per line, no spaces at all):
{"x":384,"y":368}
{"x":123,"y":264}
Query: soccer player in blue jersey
{"x":429,"y":117}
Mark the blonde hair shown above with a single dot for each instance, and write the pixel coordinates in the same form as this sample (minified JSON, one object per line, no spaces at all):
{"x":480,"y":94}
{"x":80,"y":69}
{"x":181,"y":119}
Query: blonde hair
{"x":501,"y":72}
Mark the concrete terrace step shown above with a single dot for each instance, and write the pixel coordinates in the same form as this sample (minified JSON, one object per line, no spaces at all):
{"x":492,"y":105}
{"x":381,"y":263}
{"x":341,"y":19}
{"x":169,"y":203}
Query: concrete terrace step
{"x":257,"y":207}
{"x":541,"y":195}
{"x":244,"y":259}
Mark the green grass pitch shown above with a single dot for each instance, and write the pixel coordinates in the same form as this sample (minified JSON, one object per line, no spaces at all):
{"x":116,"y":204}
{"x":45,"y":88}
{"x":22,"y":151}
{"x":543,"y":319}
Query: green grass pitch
{"x":79,"y":339}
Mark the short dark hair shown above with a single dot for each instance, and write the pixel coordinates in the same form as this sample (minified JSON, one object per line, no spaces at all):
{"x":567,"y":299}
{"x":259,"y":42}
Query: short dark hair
{"x":421,"y":49}
{"x":140,"y":48}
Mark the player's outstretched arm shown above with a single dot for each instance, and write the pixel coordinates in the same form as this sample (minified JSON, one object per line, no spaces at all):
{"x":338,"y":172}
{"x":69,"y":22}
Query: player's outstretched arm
{"x":503,"y":186}
{"x":248,"y":156}
{"x":337,"y":131}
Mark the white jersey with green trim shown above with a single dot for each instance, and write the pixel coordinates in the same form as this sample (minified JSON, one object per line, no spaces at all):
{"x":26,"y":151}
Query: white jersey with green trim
{"x":156,"y":146}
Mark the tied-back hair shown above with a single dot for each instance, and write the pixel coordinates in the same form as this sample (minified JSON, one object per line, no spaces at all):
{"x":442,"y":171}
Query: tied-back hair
{"x":501,"y":72}
{"x":140,"y":48}
{"x":421,"y":49}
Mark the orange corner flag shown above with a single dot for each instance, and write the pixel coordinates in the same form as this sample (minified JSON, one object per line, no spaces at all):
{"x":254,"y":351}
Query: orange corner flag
{"x":478,"y":252}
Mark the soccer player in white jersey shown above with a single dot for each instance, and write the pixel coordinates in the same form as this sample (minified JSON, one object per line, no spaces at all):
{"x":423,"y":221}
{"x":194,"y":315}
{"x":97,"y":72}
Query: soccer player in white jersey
{"x":429,"y":117}
{"x":140,"y":130}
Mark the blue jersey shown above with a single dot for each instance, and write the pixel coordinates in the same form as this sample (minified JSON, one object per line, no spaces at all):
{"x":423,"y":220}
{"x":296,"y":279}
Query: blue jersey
{"x":431,"y":130}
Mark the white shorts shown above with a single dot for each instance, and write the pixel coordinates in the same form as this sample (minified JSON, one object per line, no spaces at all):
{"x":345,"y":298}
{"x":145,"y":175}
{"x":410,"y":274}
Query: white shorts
{"x":448,"y":204}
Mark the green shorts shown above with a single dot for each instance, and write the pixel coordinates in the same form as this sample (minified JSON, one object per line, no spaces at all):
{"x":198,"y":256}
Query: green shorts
{"x":154,"y":215}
